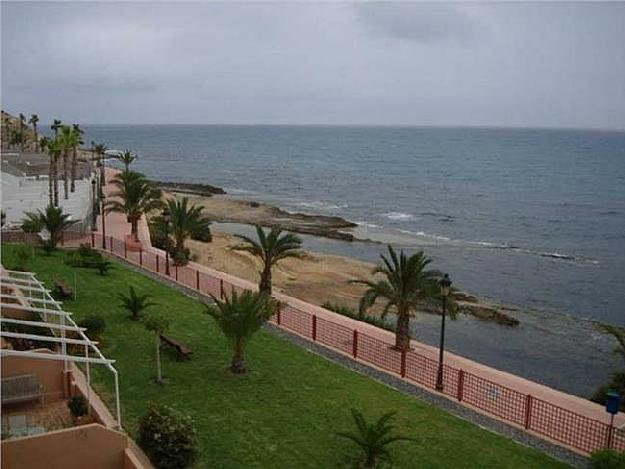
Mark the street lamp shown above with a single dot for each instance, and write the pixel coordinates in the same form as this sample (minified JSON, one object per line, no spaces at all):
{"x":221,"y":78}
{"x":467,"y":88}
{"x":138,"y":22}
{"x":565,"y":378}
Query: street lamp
{"x":445,"y":284}
{"x":166,"y":227}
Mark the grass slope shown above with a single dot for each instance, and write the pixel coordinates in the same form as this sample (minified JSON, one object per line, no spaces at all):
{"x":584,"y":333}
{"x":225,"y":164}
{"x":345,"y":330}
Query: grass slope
{"x":284,"y":414}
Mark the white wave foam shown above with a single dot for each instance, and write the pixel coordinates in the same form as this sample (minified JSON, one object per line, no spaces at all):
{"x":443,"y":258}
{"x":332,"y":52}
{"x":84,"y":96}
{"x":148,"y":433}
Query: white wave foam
{"x":320,"y":205}
{"x":398,"y":216}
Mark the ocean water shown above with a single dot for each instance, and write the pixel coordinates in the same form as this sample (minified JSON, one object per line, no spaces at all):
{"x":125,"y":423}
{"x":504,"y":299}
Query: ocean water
{"x":534,"y":218}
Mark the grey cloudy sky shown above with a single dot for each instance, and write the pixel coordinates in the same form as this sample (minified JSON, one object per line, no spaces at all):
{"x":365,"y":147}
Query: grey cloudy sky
{"x":528,"y":64}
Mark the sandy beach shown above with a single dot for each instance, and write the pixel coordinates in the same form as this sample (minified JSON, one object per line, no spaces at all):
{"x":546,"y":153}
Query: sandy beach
{"x":316,"y":277}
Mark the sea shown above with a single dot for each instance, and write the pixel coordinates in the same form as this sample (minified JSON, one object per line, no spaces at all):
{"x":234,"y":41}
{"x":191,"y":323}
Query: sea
{"x":533,"y":218}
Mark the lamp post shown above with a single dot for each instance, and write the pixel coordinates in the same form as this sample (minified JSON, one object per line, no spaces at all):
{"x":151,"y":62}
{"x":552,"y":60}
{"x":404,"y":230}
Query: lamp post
{"x":166,"y":226}
{"x":445,"y":284}
{"x":94,"y":207}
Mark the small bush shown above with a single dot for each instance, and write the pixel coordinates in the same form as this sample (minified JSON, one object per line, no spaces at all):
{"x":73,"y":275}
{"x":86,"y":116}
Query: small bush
{"x":205,"y":237}
{"x":84,"y":256}
{"x":78,"y":406}
{"x":181,"y":257}
{"x":168,"y":437}
{"x":607,"y":459}
{"x":22,"y":255}
{"x":94,"y":324}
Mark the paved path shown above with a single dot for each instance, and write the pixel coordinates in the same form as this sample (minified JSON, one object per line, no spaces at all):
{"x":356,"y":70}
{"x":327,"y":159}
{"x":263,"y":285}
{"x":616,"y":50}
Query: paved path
{"x":117,"y":226}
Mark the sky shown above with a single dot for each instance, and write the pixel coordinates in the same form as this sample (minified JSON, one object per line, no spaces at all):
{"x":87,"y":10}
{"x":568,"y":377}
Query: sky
{"x":450,"y":64}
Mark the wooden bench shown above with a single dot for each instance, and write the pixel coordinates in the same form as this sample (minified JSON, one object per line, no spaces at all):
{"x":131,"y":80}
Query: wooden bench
{"x":21,"y":388}
{"x":182,"y":350}
{"x":63,"y":290}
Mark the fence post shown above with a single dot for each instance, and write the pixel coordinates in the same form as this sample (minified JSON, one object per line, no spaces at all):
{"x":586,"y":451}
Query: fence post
{"x":92,"y":239}
{"x":222,"y":294}
{"x":314,"y":327}
{"x":610,"y":436}
{"x":111,"y":241}
{"x":141,"y":257}
{"x":460,"y":385}
{"x":278,"y":315}
{"x":528,"y":411}
{"x":402,"y":371}
{"x":355,"y":344}
{"x":157,"y":271}
{"x":125,"y":250}
{"x":197,"y":280}
{"x":176,"y":272}
{"x":62,"y":238}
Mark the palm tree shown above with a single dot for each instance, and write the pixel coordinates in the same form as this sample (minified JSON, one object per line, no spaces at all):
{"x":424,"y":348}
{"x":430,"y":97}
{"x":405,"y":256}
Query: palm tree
{"x":239,"y":317}
{"x":55,"y":149}
{"x":186,"y":221}
{"x":270,"y":249}
{"x":23,"y":135}
{"x":373,"y":438}
{"x":34,"y":118}
{"x":127,"y":157}
{"x":43,"y":143}
{"x":67,"y":138}
{"x":134,"y":196}
{"x":159,"y":325}
{"x":77,"y":140}
{"x":53,"y":220}
{"x":56,"y":125}
{"x":100,"y":149}
{"x":406,"y":285}
{"x":133,"y":303}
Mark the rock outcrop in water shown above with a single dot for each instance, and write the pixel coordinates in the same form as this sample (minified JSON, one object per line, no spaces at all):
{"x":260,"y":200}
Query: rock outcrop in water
{"x":204,"y":190}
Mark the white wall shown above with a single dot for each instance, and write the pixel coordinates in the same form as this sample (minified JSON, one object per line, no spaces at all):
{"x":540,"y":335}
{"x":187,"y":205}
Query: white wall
{"x":21,"y":194}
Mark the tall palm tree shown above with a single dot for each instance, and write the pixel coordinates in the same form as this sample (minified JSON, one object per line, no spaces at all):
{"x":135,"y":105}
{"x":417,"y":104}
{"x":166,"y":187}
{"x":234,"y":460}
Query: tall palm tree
{"x":77,"y":131}
{"x":239,"y":318}
{"x":53,"y":220}
{"x":67,"y":138}
{"x":100,"y":150}
{"x":134,"y":196}
{"x":55,"y":150}
{"x":373,"y":438}
{"x":127,"y":158}
{"x":34,"y":118}
{"x":186,"y":221}
{"x":270,"y":249}
{"x":405,"y":285}
{"x":56,"y":125}
{"x":22,"y":133}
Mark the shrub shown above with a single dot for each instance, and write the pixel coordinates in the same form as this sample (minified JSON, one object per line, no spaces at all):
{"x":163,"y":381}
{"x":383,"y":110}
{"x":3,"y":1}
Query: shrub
{"x":22,"y":255}
{"x":168,"y":437}
{"x":204,"y":236}
{"x":607,"y":459}
{"x":78,"y":406}
{"x":84,"y":256}
{"x":350,"y":313}
{"x":94,"y":324}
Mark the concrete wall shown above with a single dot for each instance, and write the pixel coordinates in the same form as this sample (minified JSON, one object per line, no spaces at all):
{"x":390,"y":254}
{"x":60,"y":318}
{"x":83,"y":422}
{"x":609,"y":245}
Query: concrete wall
{"x":49,"y":372}
{"x":21,"y":194}
{"x":89,"y":446}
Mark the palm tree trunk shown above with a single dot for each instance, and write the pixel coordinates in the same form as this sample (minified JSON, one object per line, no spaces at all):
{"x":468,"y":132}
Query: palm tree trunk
{"x":50,"y":181}
{"x":134,"y":228}
{"x":36,"y":138}
{"x":65,"y":176}
{"x":402,"y":331}
{"x":55,"y":179}
{"x":265,"y":280}
{"x":238,"y":362}
{"x":102,"y":181}
{"x":73,"y":187}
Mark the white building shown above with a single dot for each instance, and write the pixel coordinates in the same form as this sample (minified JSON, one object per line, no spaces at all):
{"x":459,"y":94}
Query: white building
{"x":25,"y":187}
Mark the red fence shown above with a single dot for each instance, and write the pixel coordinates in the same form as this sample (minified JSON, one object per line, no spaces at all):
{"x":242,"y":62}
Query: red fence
{"x":543,"y":418}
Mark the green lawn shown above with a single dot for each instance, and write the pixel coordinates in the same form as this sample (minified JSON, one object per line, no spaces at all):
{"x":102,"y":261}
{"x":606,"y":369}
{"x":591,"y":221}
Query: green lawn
{"x":285,"y":412}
